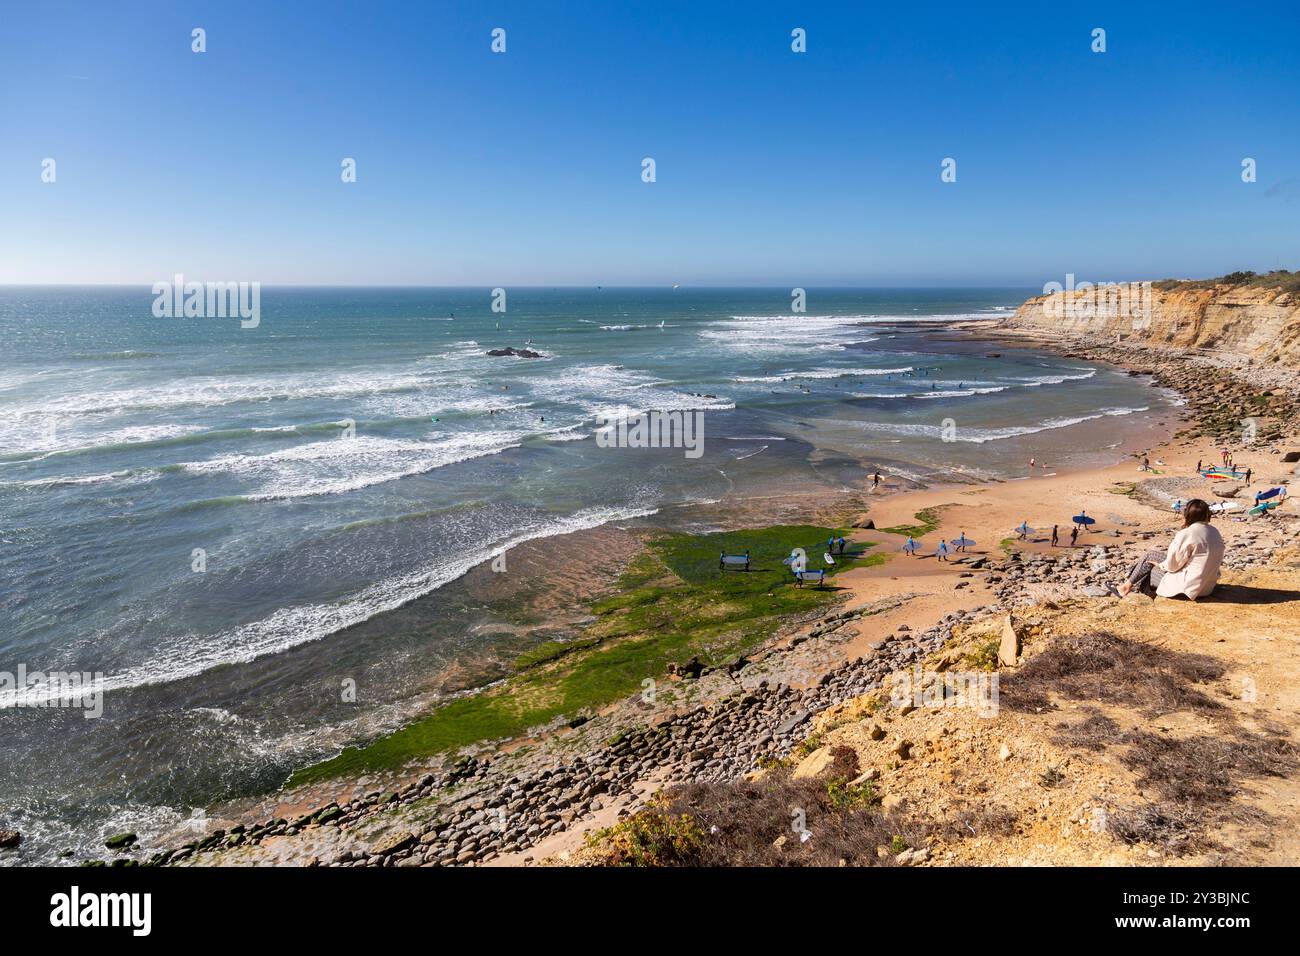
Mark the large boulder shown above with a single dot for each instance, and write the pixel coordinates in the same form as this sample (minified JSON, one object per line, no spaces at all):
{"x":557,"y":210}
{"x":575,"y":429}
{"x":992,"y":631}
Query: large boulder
{"x":518,"y":353}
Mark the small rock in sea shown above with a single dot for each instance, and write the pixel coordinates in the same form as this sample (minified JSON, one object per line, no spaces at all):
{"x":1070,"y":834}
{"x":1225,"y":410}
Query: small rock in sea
{"x":10,"y":838}
{"x":120,"y":841}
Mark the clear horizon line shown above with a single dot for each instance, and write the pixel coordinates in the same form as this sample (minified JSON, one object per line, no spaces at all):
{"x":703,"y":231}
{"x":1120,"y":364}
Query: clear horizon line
{"x":374,"y":285}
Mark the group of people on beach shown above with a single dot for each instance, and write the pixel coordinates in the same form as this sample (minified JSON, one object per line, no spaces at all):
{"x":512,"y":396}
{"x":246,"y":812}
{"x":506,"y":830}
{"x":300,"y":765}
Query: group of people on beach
{"x":958,"y":544}
{"x":1189,"y":567}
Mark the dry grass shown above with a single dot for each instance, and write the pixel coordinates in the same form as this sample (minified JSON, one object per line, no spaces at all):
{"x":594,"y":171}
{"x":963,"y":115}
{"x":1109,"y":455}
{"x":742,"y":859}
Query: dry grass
{"x":1193,"y":778}
{"x":1205,"y":769}
{"x":759,"y":823}
{"x":1111,"y":670}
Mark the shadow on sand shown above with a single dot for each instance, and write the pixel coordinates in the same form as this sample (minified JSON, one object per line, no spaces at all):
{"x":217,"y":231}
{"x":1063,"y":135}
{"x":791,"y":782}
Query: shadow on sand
{"x":1245,"y":594}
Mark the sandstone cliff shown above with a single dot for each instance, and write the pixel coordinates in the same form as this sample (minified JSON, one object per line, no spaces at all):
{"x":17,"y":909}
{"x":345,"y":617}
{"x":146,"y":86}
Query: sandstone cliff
{"x":1257,"y":319}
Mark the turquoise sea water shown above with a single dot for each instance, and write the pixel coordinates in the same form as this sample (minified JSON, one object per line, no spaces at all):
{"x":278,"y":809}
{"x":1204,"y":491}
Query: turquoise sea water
{"x":221,"y":520}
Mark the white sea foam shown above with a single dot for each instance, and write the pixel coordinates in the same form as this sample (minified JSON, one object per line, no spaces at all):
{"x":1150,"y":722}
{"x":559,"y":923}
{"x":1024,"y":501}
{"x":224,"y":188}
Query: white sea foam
{"x":962,"y":392}
{"x":336,"y":465}
{"x":859,"y":319}
{"x":214,"y":390}
{"x":824,"y":373}
{"x":612,"y":391}
{"x":133,"y":476}
{"x":1057,"y":379}
{"x":191,"y":654}
{"x":981,"y":435}
{"x":40,"y":444}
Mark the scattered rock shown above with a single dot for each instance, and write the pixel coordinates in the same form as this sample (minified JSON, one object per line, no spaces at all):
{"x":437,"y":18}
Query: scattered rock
{"x":10,"y":838}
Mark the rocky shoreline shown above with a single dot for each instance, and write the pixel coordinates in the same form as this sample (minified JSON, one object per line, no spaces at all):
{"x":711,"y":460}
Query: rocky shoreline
{"x":485,"y":807}
{"x":1222,"y":390}
{"x":751,"y":712}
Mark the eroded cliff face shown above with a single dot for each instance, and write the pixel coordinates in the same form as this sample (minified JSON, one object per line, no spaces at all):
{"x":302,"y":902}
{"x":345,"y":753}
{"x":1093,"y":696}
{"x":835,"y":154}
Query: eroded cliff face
{"x":1253,"y":322}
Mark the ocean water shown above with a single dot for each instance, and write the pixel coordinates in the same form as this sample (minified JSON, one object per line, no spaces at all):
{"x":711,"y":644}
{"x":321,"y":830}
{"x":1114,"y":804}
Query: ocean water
{"x":227,"y":524}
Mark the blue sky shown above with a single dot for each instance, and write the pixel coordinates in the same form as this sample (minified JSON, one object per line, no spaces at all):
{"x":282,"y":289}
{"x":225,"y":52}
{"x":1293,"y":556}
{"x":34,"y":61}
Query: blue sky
{"x":773,"y":168}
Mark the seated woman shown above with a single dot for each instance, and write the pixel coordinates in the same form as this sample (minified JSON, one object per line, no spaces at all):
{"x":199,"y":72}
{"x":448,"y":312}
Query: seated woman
{"x":1191,"y":565}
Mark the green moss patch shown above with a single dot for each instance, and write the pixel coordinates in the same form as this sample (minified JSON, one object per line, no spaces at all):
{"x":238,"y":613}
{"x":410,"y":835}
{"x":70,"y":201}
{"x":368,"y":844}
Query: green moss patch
{"x":671,"y":604}
{"x":927,"y":520}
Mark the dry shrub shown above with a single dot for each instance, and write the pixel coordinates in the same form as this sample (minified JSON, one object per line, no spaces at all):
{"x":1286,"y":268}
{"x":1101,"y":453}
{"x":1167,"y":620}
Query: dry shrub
{"x":1112,"y":670}
{"x":1196,"y":771}
{"x":1196,"y":777}
{"x":1095,"y":732}
{"x":745,"y":822}
{"x":754,"y":823}
{"x":1175,"y":830}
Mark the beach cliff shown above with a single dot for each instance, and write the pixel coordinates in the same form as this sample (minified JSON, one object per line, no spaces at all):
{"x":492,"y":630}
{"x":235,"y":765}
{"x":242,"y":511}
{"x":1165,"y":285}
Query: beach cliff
{"x":1248,"y":316}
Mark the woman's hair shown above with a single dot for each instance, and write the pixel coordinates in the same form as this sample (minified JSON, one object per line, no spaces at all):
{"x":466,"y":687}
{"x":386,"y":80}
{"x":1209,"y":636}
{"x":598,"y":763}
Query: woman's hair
{"x":1194,"y":511}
